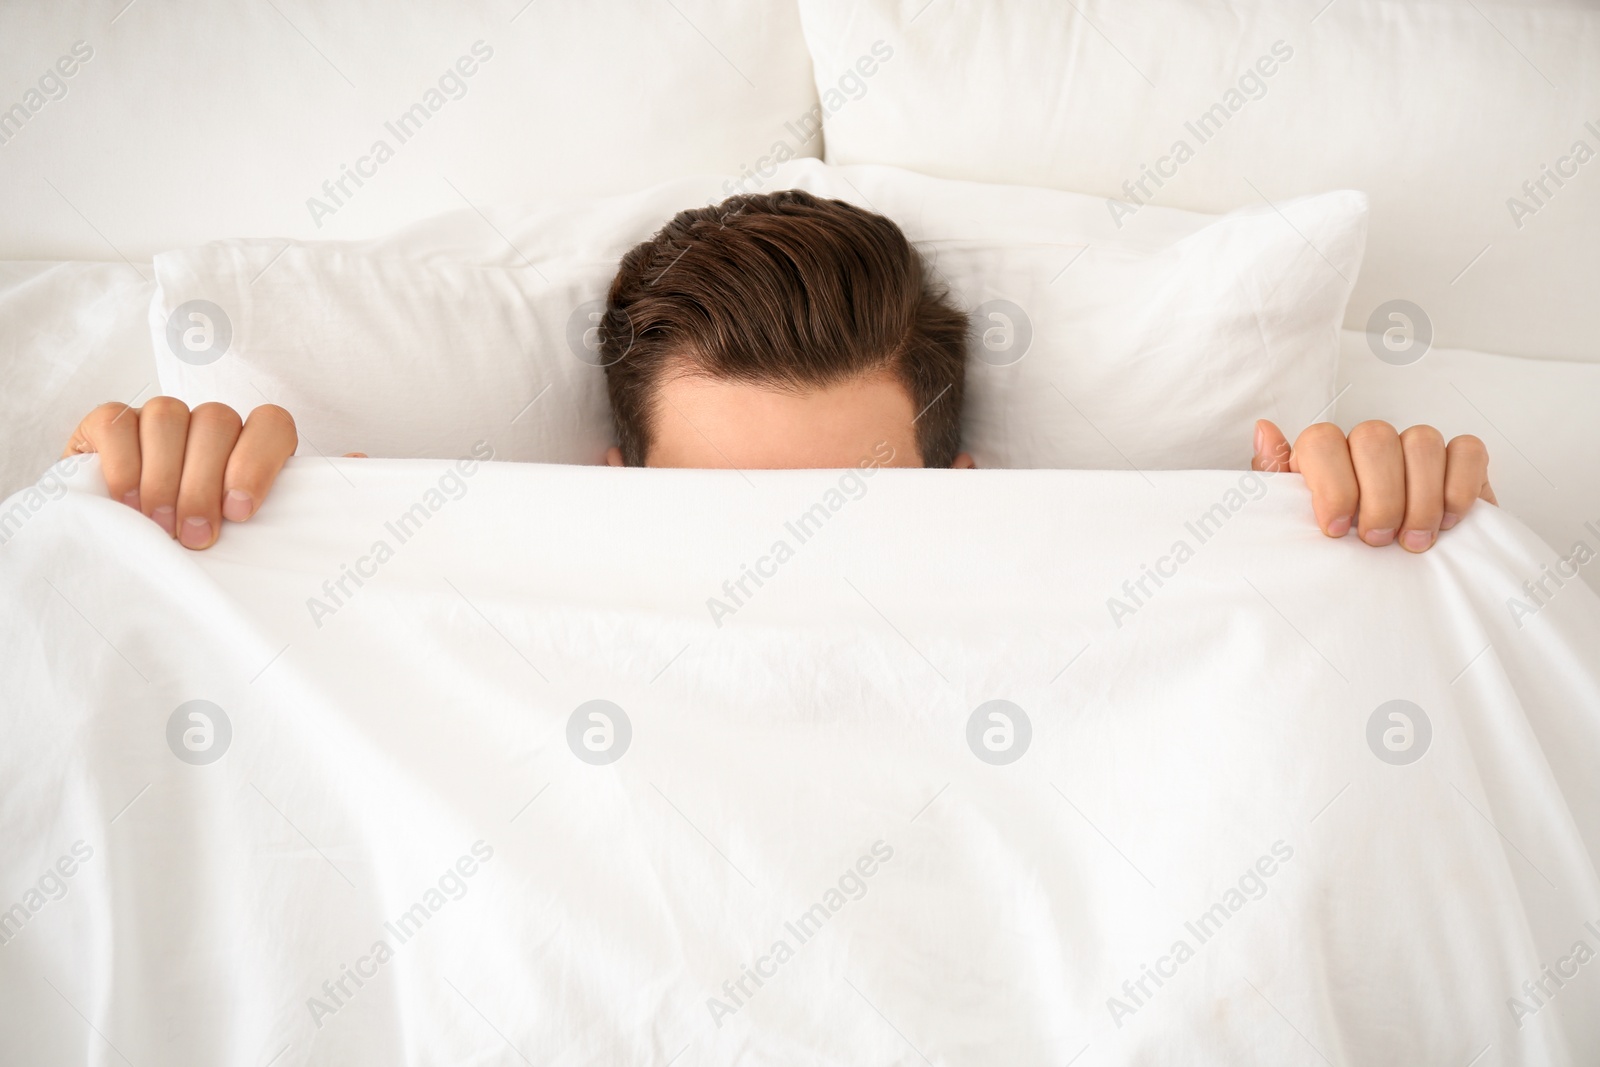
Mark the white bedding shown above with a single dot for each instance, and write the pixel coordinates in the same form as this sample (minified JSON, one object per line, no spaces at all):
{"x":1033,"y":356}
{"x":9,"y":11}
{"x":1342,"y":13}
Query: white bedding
{"x":1211,"y":750}
{"x":342,"y":120}
{"x":1236,"y":316}
{"x":73,"y":335}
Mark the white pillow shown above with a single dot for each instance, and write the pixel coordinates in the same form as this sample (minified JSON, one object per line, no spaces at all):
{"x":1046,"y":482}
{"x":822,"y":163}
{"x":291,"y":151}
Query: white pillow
{"x":1439,"y":111}
{"x":449,"y":332}
{"x":226,"y":119}
{"x":1155,"y":344}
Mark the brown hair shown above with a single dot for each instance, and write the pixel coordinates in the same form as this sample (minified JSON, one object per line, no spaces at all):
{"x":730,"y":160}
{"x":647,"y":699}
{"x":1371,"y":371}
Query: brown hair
{"x":782,"y":289}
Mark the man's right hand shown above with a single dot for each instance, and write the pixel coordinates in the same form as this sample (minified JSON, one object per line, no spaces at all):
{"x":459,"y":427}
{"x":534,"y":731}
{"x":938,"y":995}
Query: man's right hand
{"x":188,"y":470}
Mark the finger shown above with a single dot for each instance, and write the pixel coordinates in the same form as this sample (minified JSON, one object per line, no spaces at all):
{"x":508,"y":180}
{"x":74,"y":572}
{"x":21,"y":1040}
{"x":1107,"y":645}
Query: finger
{"x":112,"y":430}
{"x":1380,"y":467}
{"x":267,"y":440}
{"x":213,"y":429}
{"x":1423,"y":450}
{"x":1272,"y":452}
{"x":163,"y":428}
{"x":1323,"y":458}
{"x":1466,"y":478}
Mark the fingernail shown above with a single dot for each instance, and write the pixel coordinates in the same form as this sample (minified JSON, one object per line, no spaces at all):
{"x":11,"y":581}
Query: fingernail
{"x":1449,"y":520}
{"x":166,"y":518}
{"x":196,"y":532}
{"x":131,"y":498}
{"x":1339,"y":527}
{"x":1417,"y":540}
{"x":1379,"y":538}
{"x":1260,"y":439}
{"x":236,"y":506}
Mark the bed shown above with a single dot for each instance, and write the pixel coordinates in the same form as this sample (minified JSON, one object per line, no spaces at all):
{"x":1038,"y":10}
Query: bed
{"x":480,"y":752}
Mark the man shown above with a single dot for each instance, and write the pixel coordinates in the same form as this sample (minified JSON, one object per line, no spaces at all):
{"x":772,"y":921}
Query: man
{"x":775,"y":331}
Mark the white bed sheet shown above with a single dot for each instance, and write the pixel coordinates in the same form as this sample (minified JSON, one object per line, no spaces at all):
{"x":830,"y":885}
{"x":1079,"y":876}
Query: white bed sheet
{"x":72,"y":335}
{"x":1213,"y":748}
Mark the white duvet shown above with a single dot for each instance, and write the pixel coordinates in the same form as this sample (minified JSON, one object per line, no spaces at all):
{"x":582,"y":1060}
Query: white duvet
{"x":484,"y":763}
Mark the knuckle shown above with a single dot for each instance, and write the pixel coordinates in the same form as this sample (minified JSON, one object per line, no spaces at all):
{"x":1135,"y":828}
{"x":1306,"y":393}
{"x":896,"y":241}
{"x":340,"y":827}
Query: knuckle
{"x":1468,"y":447}
{"x":165,"y":405}
{"x":165,"y":409}
{"x":215,"y":416}
{"x":274,"y":417}
{"x":107,"y":413}
{"x":1320,"y":434}
{"x":1372,"y":434}
{"x":1422,"y":437}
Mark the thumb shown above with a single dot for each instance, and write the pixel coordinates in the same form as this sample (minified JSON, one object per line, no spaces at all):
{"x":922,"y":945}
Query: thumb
{"x":1272,"y":451}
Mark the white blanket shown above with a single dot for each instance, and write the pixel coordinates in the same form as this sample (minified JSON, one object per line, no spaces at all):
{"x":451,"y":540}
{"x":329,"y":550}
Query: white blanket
{"x":256,"y":810}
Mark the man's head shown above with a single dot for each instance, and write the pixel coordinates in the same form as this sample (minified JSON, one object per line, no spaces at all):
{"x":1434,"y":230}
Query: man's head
{"x":781,"y":330}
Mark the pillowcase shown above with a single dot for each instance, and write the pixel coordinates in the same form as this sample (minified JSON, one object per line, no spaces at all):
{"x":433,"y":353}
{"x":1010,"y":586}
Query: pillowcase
{"x":342,"y":121}
{"x":1153,"y":341}
{"x":1487,"y":222}
{"x":461,"y":329}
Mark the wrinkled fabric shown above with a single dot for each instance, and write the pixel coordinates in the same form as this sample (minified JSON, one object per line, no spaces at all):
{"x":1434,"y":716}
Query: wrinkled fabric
{"x":450,"y":763}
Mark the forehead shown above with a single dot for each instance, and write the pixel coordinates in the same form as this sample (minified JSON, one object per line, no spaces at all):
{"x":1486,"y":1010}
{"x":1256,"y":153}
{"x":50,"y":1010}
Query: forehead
{"x":713,"y":422}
